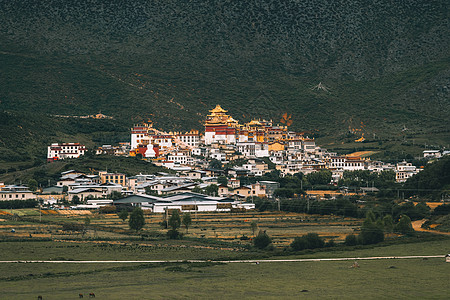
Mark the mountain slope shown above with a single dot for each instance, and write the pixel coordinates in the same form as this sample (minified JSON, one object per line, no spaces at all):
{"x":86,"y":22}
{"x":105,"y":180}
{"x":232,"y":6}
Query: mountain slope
{"x":385,"y":64}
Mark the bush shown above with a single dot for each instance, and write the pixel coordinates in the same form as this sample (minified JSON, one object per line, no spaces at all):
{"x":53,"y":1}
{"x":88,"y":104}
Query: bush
{"x":123,"y":215}
{"x":137,"y":219}
{"x":174,"y":234}
{"x":262,"y":240}
{"x":351,"y":240}
{"x":404,"y":226}
{"x":371,"y":230}
{"x":441,"y":210}
{"x":108,"y":209}
{"x":14,"y":204}
{"x":330,"y":243}
{"x":309,"y":241}
{"x":299,"y":243}
{"x":371,"y":234}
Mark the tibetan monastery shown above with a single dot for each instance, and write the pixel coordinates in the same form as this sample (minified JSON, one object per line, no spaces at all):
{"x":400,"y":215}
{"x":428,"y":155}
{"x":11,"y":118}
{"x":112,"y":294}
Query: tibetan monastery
{"x":220,"y":127}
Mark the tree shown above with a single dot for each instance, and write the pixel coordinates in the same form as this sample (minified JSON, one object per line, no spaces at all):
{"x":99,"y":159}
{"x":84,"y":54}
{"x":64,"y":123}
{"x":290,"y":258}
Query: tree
{"x":371,"y":230}
{"x":32,"y":185}
{"x":212,"y":190}
{"x":388,"y":223}
{"x":175,"y":220}
{"x":197,"y":189}
{"x":284,"y":193}
{"x":320,"y":177}
{"x":351,"y":240}
{"x":174,"y":223}
{"x":309,"y":241}
{"x":254,"y":227}
{"x":404,"y":226}
{"x":215,"y":164}
{"x":123,"y":215}
{"x":87,"y":222}
{"x":137,"y":219}
{"x":222,"y":180}
{"x":115,"y":195}
{"x":187,"y":220}
{"x":76,"y":199}
{"x":262,"y":240}
{"x":422,"y":210}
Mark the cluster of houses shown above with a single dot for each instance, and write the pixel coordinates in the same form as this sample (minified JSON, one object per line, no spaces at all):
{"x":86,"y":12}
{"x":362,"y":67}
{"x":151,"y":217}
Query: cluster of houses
{"x":154,"y":192}
{"x":225,"y":141}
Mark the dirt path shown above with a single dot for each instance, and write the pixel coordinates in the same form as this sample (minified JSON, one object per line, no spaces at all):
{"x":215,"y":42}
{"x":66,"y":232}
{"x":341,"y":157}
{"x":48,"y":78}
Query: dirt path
{"x":221,"y":261}
{"x":417,"y":226}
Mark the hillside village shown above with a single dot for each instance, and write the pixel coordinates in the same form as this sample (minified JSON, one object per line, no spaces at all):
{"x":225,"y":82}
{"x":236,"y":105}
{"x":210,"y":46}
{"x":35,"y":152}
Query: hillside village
{"x":214,"y":163}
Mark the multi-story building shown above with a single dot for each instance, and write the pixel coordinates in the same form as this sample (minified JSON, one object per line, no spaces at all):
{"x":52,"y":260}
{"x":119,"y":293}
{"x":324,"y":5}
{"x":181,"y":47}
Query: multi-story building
{"x":191,"y":138}
{"x":181,"y":157}
{"x":117,"y":178}
{"x":404,"y":170}
{"x":65,"y":150}
{"x":15,"y":192}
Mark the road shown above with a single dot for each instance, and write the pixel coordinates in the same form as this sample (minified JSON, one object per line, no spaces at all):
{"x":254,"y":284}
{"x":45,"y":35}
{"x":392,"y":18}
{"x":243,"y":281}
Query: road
{"x":220,"y":261}
{"x":417,"y":226}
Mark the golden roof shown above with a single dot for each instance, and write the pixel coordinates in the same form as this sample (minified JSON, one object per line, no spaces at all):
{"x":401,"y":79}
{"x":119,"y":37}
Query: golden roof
{"x":254,"y":122}
{"x":218,"y":109}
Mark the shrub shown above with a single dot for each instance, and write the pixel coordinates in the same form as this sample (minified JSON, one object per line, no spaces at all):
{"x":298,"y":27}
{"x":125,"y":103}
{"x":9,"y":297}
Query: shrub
{"x":371,"y":230}
{"x":404,"y":226}
{"x":108,"y":209}
{"x":262,"y":240}
{"x":351,"y":240}
{"x":441,"y":210}
{"x":330,"y":243}
{"x":309,"y":241}
{"x":371,"y":234}
{"x":30,"y":203}
{"x":299,"y":243}
{"x":123,"y":215}
{"x":174,"y":234}
{"x":137,"y":219}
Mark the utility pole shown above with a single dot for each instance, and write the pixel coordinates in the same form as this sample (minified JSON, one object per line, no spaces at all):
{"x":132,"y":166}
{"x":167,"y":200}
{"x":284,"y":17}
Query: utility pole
{"x":167,"y":217}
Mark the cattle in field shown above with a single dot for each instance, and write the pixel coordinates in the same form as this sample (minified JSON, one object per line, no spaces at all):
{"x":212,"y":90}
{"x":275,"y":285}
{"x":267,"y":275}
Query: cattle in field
{"x":80,"y":296}
{"x":39,"y":297}
{"x":91,"y":295}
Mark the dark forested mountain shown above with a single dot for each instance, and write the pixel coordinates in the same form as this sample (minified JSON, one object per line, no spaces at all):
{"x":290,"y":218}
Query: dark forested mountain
{"x":383,"y":66}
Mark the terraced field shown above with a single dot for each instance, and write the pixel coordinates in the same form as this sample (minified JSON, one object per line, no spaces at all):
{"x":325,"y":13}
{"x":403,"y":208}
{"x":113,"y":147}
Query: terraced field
{"x":282,"y":227}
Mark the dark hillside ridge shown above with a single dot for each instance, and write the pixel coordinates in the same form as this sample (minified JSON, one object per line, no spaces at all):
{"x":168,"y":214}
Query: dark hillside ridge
{"x":386,"y":63}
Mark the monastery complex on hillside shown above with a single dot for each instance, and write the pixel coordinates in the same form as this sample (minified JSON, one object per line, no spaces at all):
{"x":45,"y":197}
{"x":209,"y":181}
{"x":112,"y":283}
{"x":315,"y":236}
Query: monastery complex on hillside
{"x":220,"y":128}
{"x":226,"y":140}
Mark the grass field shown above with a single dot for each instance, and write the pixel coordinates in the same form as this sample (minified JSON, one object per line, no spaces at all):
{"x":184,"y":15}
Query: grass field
{"x":399,"y":279}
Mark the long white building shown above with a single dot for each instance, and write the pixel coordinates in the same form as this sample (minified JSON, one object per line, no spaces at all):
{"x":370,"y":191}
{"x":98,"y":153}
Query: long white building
{"x":65,"y":150}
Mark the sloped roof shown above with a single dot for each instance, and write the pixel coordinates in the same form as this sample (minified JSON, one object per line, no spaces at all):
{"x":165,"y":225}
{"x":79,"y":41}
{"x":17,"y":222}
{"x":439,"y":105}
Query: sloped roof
{"x":140,"y":199}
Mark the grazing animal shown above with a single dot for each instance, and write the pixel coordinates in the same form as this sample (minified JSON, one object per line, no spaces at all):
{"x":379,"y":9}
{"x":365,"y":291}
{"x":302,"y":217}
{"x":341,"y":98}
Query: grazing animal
{"x":39,"y":297}
{"x":91,"y":295}
{"x":304,"y":291}
{"x":80,"y":296}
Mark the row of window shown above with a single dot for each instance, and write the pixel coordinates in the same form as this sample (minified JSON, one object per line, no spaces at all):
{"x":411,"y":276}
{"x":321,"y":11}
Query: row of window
{"x":10,"y":196}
